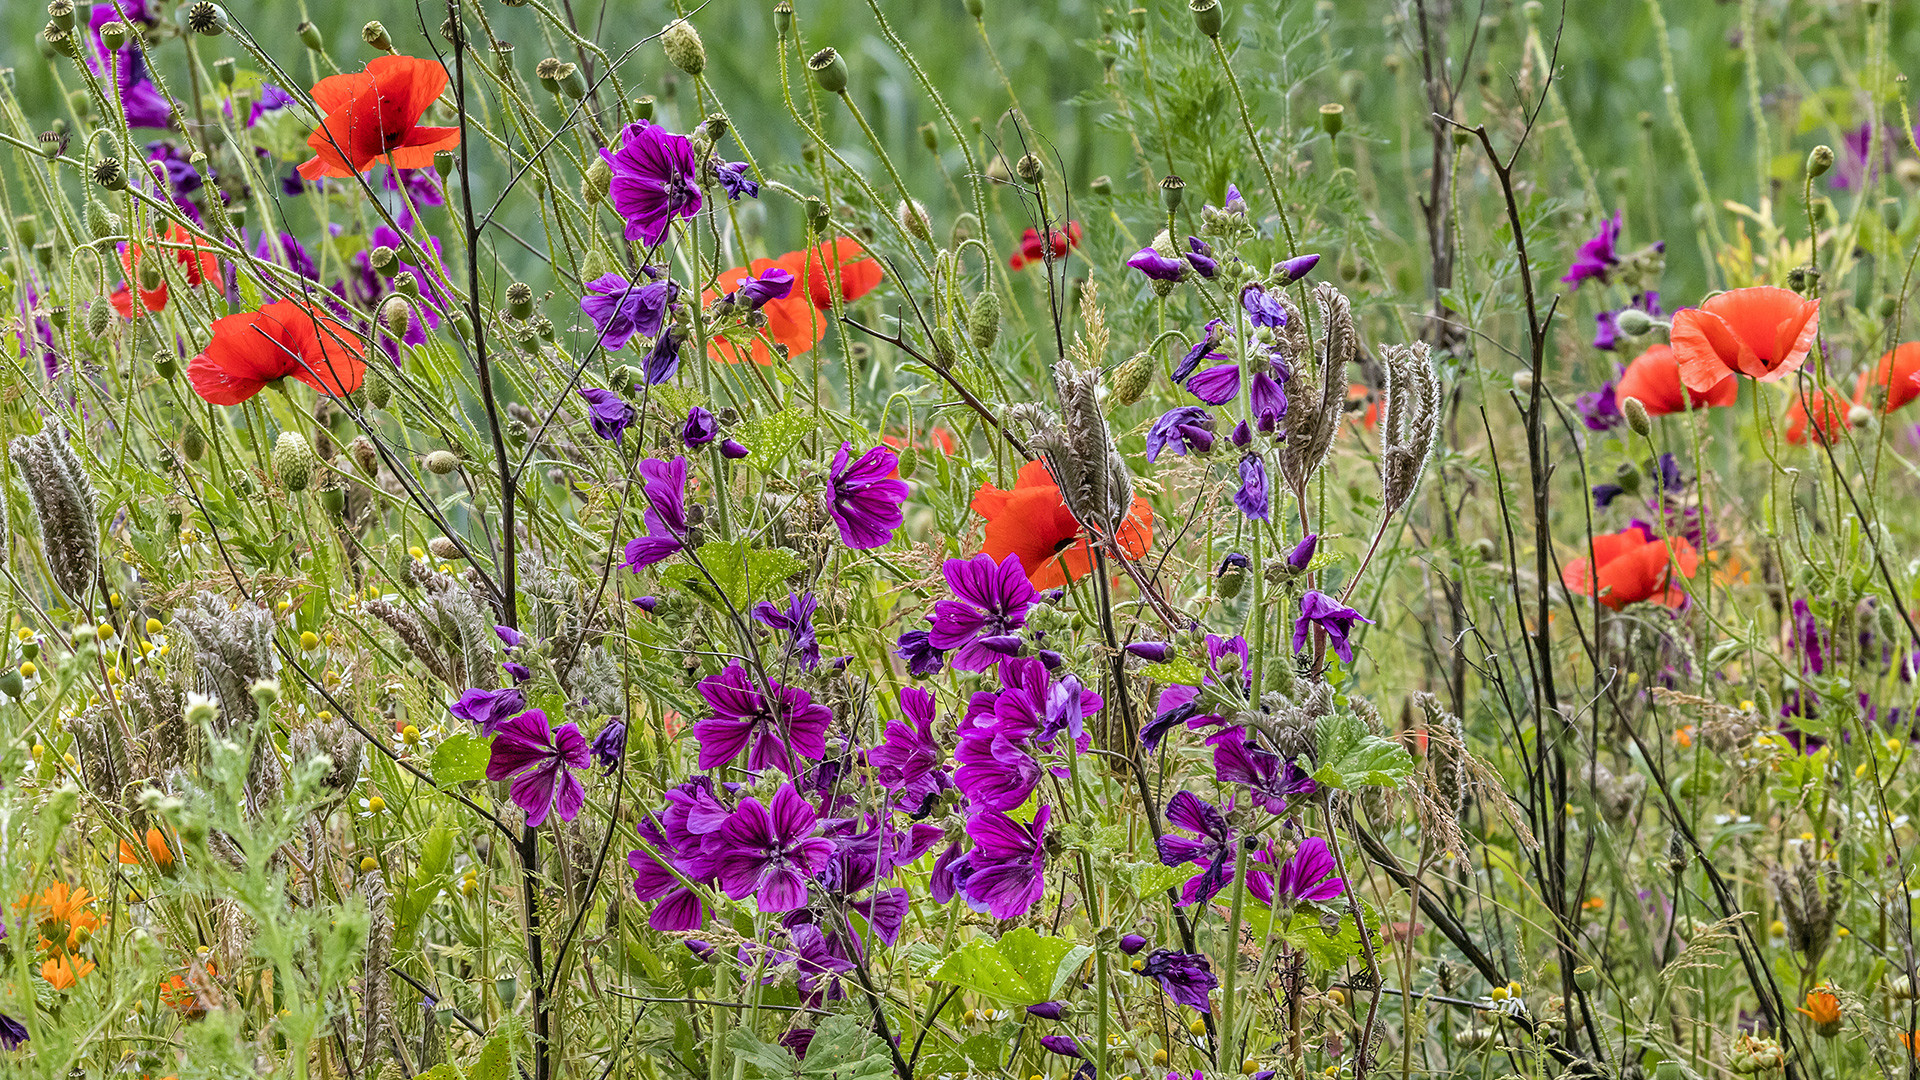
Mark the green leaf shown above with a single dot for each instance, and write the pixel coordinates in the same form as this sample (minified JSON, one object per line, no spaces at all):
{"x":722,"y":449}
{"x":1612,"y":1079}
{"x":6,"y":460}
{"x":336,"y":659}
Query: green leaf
{"x":1177,"y":670}
{"x":460,"y":759}
{"x":1352,"y":756}
{"x":1022,"y":968}
{"x":439,"y":1072}
{"x":844,"y":1049}
{"x":1324,"y":952}
{"x":496,"y":1061}
{"x":770,"y":437}
{"x":1149,"y":879}
{"x":744,"y":573}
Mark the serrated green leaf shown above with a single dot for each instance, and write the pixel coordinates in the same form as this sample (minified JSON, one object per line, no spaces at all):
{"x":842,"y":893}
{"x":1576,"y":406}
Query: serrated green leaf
{"x":1177,"y":670}
{"x":1351,"y":756}
{"x":1023,"y":968}
{"x":460,"y":759}
{"x":843,"y":1048}
{"x":496,"y":1061}
{"x":772,"y":436}
{"x":1148,"y":879}
{"x":744,"y":573}
{"x":442,"y":1071}
{"x":1324,"y":952}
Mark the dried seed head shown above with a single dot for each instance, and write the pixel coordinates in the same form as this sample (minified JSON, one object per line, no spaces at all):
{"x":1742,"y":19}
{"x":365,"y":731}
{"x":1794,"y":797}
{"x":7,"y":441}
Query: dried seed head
{"x":442,"y":547}
{"x":681,"y":42}
{"x":376,"y":982}
{"x":61,"y":40}
{"x":1412,"y":422}
{"x":364,"y":454}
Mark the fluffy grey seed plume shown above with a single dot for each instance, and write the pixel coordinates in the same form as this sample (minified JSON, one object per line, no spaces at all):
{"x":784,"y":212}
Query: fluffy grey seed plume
{"x":1807,"y":893}
{"x":62,"y":499}
{"x":338,"y":743}
{"x":1078,"y":448}
{"x":1411,"y":425}
{"x":156,"y":709}
{"x":452,"y":616}
{"x":1317,"y":396}
{"x":413,"y":634}
{"x":102,"y":749}
{"x":376,"y":985}
{"x":233,"y":649}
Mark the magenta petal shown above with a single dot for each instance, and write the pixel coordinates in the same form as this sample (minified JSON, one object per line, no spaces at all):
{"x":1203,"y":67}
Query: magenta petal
{"x":533,"y":793}
{"x":782,"y":889}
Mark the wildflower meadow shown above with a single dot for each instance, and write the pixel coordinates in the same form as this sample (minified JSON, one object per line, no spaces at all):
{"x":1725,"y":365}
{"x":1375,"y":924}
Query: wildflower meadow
{"x":938,"y":539}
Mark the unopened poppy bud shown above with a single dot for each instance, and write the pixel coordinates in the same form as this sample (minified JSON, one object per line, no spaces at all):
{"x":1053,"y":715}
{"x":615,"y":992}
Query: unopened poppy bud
{"x":440,"y":462}
{"x":519,"y":300}
{"x":1172,"y":188}
{"x":443,"y":547}
{"x":976,"y":8}
{"x":101,"y":222}
{"x":681,"y":42}
{"x":406,"y":284}
{"x":294,"y":461}
{"x":99,"y":318}
{"x":443,"y":161}
{"x":829,"y":70}
{"x":61,"y":12}
{"x":1627,"y":478}
{"x":1633,"y":322}
{"x":364,"y":454}
{"x":375,"y":35}
{"x":1132,"y":378}
{"x":1819,"y":160}
{"x":944,"y":352}
{"x":783,"y":17}
{"x":1030,"y":169}
{"x":1333,"y":117}
{"x":113,"y":34}
{"x":193,"y":443}
{"x":310,"y":35}
{"x":207,"y":19}
{"x":1637,"y":418}
{"x":913,"y":218}
{"x":396,"y":315}
{"x":150,"y":276}
{"x":930,"y":137}
{"x":1859,"y":416}
{"x":983,"y":322}
{"x":1523,"y":382}
{"x":1206,"y":16}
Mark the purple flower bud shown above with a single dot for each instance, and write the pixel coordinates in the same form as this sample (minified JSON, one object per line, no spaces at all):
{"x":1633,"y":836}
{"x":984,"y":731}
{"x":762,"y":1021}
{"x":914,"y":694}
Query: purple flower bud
{"x":1295,"y":269}
{"x":1155,"y":652}
{"x":700,"y":429}
{"x":1302,"y":553}
{"x":703,"y":949}
{"x":508,"y":635}
{"x":610,"y":745}
{"x":646,"y":603}
{"x":1005,"y":644}
{"x":1061,"y":1044}
{"x":1053,"y":661}
{"x":1047,"y":1010}
{"x":733,"y":451}
{"x":1242,"y":435}
{"x":1158,"y":266}
{"x":1132,"y":943}
{"x":520,"y":672}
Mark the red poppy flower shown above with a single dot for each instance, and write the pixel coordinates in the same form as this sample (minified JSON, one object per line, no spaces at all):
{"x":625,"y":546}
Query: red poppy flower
{"x":373,"y":116}
{"x":1358,"y":394}
{"x":1827,"y":412}
{"x":1031,"y":250}
{"x":1763,"y":333}
{"x":791,"y":319}
{"x":199,"y":264}
{"x":1032,"y":521}
{"x":1897,"y":375}
{"x":284,"y":338}
{"x":1633,"y":567}
{"x":1654,"y":378}
{"x":842,"y":260}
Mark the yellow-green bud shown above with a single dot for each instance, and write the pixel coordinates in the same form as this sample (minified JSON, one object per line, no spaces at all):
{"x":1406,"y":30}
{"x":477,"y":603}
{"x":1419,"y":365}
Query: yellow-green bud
{"x":101,"y":222}
{"x":596,"y":182}
{"x":294,"y":461}
{"x":681,"y":42}
{"x":983,"y":322}
{"x":1637,"y":418}
{"x":440,"y":462}
{"x":99,"y":319}
{"x":375,"y":36}
{"x":1132,"y":378}
{"x":1820,"y":160}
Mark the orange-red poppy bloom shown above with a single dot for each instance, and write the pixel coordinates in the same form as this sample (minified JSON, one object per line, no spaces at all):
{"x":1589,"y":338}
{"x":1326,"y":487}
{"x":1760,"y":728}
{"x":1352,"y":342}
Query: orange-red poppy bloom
{"x":64,"y":971}
{"x":1897,"y":376}
{"x":196,"y":260}
{"x":1034,"y":250}
{"x":1825,"y":412}
{"x":1632,"y":567}
{"x":1763,"y":333}
{"x":284,"y":338}
{"x":1654,"y":378}
{"x":373,"y":117}
{"x":1359,"y":394}
{"x":156,"y":847}
{"x":1032,"y":521}
{"x":842,"y":261}
{"x":791,"y":319}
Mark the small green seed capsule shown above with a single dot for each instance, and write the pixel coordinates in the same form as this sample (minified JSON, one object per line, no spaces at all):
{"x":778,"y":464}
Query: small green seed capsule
{"x":519,"y":300}
{"x":1820,"y":160}
{"x":310,"y":35}
{"x":375,"y":35}
{"x":225,"y":70}
{"x":1333,"y":117}
{"x":208,"y":19}
{"x":1172,"y":189}
{"x":829,"y":70}
{"x":1207,"y":16}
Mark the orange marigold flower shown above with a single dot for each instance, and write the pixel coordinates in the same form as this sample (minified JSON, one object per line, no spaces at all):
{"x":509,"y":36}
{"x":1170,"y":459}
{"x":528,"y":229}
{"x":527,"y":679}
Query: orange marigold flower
{"x":842,"y":261}
{"x":1654,"y":378}
{"x":791,"y":319}
{"x":62,"y":915}
{"x":1825,"y":413}
{"x":64,"y":971}
{"x":178,"y":991}
{"x":156,"y":847}
{"x":1633,"y":567}
{"x":1032,"y":521}
{"x":373,"y":117}
{"x":1683,"y":735}
{"x":1824,"y":1009}
{"x":1763,"y":333}
{"x":192,"y":253}
{"x":1897,"y":376}
{"x":284,"y":338}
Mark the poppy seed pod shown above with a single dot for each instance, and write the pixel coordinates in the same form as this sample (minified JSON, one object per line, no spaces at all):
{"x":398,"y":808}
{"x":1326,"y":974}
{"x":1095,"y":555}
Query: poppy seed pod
{"x":61,"y":41}
{"x":1333,"y":117}
{"x":1132,"y":378}
{"x":1637,"y":418}
{"x":294,"y":461}
{"x":108,"y":174}
{"x":1820,"y":160}
{"x":519,"y":300}
{"x":440,"y":462}
{"x":384,"y":260}
{"x":193,"y":443}
{"x":207,"y":19}
{"x":548,"y":72}
{"x":573,"y":83}
{"x":829,"y":70}
{"x":375,"y":35}
{"x":362,"y":450}
{"x":1030,"y":169}
{"x":783,"y":17}
{"x":1172,"y":188}
{"x":310,"y":35}
{"x":643,"y":107}
{"x":443,"y":162}
{"x":224,"y":69}
{"x":113,"y":34}
{"x":61,"y":12}
{"x":1207,"y":16}
{"x":406,"y":284}
{"x":681,"y":42}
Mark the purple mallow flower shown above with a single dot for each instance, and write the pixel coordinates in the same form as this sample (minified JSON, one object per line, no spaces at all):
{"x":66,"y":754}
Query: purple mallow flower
{"x":797,"y":620}
{"x":1599,"y":409}
{"x":770,"y":733}
{"x":1001,"y":875}
{"x":665,"y":488}
{"x":621,"y":309}
{"x":1597,"y":257}
{"x":864,"y":496}
{"x":1252,"y":497}
{"x":607,"y":414}
{"x":540,"y":761}
{"x":770,"y":852}
{"x":1318,"y":610}
{"x":654,"y":180}
{"x":990,"y":605}
{"x":488,"y":709}
{"x":1211,"y":848}
{"x":1183,"y":430}
{"x":1270,"y":782}
{"x":1186,"y":977}
{"x":911,"y":763}
{"x":1308,"y":875}
{"x":609,"y":745}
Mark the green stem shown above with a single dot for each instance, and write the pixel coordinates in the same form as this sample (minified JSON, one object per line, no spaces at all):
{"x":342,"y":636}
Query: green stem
{"x":1224,"y":1059}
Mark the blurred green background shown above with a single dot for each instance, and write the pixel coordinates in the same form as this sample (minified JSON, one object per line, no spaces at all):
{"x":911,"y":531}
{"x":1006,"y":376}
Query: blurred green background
{"x":1608,"y":61}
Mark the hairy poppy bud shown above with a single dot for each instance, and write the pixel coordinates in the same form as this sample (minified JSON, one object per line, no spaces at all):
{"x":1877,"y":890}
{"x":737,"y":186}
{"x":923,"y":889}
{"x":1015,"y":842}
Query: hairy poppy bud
{"x":930,"y":137}
{"x":1820,"y":160}
{"x":1132,"y":378}
{"x":440,"y":462}
{"x":310,"y":35}
{"x":443,"y":547}
{"x":944,"y":352}
{"x":829,"y":70}
{"x":375,"y":35}
{"x":681,"y":42}
{"x":1633,"y":322}
{"x":1636,"y":414}
{"x":1206,"y":16}
{"x":151,"y":277}
{"x":1102,"y":185}
{"x":101,"y":222}
{"x":193,"y":443}
{"x":362,"y":450}
{"x":983,"y":322}
{"x":396,"y":315}
{"x":99,"y":319}
{"x":913,"y":218}
{"x":1030,"y":169}
{"x":294,"y":461}
{"x":1333,"y":117}
{"x":519,"y":300}
{"x":1172,"y":188}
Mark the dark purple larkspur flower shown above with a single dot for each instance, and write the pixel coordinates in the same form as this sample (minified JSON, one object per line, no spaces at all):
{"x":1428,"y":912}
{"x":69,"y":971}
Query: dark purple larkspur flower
{"x":1177,"y":705}
{"x":1202,"y":350}
{"x":1003,"y":873}
{"x":1060,"y":1044}
{"x":609,"y":746}
{"x":1606,"y":328}
{"x":1808,"y":639}
{"x":735,"y":181}
{"x":1216,"y":385}
{"x":771,"y":852}
{"x":990,"y":604}
{"x":1158,"y":267}
{"x":416,"y":188}
{"x":540,"y":761}
{"x":520,"y":672}
{"x":1308,"y":875}
{"x":1599,"y":409}
{"x":285,"y":250}
{"x":665,"y":488}
{"x":425,"y":315}
{"x":126,"y":67}
{"x":1266,"y":399}
{"x":1297,"y":267}
{"x":910,"y":762}
{"x":487,"y":709}
{"x":1262,"y":307}
{"x":917,"y":649}
{"x":803,"y":645}
{"x":1242,"y":436}
{"x":864,"y":496}
{"x":1252,"y":497}
{"x":1186,"y":977}
{"x":622,"y":309}
{"x":1153,"y":652}
{"x":1211,"y":846}
{"x":1302,"y":554}
{"x":654,"y":180}
{"x":770,"y":732}
{"x":1271,"y":783}
{"x":646,"y":603}
{"x":1132,"y":943}
{"x":1199,"y":255}
{"x":1604,"y":494}
{"x":732,"y":450}
{"x":1323,"y":612}
{"x":663,"y":360}
{"x":1597,"y":257}
{"x":1852,"y":167}
{"x":797,"y":1040}
{"x":700,"y":429}
{"x":13,"y":1033}
{"x":607,"y":413}
{"x":753,"y":293}
{"x":1048,"y":1010}
{"x":1185,"y":429}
